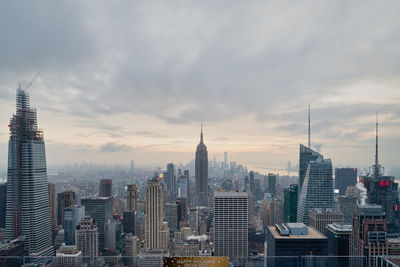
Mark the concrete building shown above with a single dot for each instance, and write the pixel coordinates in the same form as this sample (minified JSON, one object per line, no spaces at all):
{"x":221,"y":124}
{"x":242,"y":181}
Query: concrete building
{"x":154,"y":213}
{"x":276,"y":210}
{"x":193,"y":219}
{"x":230,"y":226}
{"x":68,"y":256}
{"x":368,"y":236}
{"x":64,"y":200}
{"x":164,"y":236}
{"x":293,"y":239}
{"x":131,"y":198}
{"x":72,"y":217}
{"x":105,"y":188}
{"x":131,"y":250}
{"x":87,"y":240}
{"x":320,"y":218}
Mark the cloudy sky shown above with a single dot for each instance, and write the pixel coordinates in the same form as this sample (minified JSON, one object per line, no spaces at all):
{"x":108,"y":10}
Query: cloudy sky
{"x":123,"y":80}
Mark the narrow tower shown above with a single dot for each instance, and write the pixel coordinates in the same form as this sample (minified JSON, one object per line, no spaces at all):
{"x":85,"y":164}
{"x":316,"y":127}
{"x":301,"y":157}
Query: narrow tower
{"x":28,"y":206}
{"x":309,"y":127}
{"x":154,"y":213}
{"x":201,"y":172}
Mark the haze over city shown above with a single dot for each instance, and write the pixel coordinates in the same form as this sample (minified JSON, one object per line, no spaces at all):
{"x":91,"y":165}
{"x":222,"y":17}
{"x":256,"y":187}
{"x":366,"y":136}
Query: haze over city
{"x":134,"y":80}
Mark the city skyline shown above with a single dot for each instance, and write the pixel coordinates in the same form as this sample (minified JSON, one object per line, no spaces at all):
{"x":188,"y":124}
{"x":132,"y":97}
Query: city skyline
{"x":112,"y":90}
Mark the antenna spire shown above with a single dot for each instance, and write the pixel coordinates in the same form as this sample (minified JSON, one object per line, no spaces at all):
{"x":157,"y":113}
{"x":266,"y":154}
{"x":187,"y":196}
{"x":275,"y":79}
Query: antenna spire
{"x":201,"y":133}
{"x":309,"y":127}
{"x":376,"y":147}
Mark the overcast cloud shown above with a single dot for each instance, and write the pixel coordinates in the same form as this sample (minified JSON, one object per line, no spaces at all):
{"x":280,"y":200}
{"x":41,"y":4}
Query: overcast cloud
{"x":144,"y":74}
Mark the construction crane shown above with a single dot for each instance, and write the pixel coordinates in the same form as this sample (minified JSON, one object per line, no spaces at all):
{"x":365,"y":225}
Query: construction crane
{"x":30,"y":84}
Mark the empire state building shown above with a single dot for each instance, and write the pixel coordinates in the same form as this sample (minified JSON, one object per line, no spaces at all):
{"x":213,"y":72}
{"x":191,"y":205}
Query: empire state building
{"x":201,"y":175}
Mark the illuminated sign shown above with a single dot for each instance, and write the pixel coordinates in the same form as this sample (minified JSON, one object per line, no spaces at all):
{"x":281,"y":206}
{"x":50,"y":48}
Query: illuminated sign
{"x":384,"y":183}
{"x":196,"y":261}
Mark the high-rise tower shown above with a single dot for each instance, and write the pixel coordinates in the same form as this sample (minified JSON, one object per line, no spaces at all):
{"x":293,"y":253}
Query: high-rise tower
{"x":383,"y":190}
{"x":131,"y":197}
{"x":27,"y":211}
{"x":154,"y":213}
{"x":201,"y":172}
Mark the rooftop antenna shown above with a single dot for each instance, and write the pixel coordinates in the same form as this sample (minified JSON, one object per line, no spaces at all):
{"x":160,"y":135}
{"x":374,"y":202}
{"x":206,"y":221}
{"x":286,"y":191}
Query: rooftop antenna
{"x":309,"y":128}
{"x":376,"y":147}
{"x":201,"y":134}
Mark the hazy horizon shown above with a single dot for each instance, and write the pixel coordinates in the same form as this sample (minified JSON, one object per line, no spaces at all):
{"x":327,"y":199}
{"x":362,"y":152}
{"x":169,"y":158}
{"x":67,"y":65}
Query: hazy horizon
{"x":134,"y":80}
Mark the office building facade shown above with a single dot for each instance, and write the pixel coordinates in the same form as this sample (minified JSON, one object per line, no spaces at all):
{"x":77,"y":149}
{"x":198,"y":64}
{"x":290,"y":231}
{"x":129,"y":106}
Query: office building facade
{"x":154,"y":214}
{"x":368,"y":237}
{"x":317,"y":191}
{"x":87,"y":239}
{"x":100,"y":209}
{"x":72,"y":218}
{"x":345,"y":177}
{"x":105,"y":188}
{"x":320,"y":218}
{"x":290,"y":203}
{"x":27,"y":187}
{"x":230,"y":226}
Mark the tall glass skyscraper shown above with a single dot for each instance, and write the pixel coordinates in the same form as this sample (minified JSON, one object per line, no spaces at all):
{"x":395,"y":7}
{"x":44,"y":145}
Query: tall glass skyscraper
{"x":201,"y":173}
{"x":28,"y":210}
{"x":317,"y":191}
{"x":306,"y":155}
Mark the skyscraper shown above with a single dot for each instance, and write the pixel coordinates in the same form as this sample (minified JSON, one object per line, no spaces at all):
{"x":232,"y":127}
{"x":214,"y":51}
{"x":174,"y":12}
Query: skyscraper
{"x":290,"y":203}
{"x":368,"y":237}
{"x":186,"y":174}
{"x":171,"y":182}
{"x":317,"y":191}
{"x":201,"y":172}
{"x":252,"y":186}
{"x":171,"y":216}
{"x":87,"y":239}
{"x":72,"y":217}
{"x":345,"y":177}
{"x":27,"y":189}
{"x":53,"y":207}
{"x":131,"y":197}
{"x":100,"y":209}
{"x":154,"y":214}
{"x":230,"y":226}
{"x":306,"y":156}
{"x":272,"y":184}
{"x":106,"y":188}
{"x":383,"y":190}
{"x":64,"y":200}
{"x":3,"y":197}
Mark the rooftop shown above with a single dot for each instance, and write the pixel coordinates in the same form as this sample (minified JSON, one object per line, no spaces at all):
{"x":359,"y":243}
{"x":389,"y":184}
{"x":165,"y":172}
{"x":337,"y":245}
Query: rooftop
{"x":312,"y":234}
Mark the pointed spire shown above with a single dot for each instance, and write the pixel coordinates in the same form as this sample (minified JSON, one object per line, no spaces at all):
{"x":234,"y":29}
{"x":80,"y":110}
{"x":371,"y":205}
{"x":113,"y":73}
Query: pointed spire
{"x":376,"y":146}
{"x":201,"y":133}
{"x":309,"y":127}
